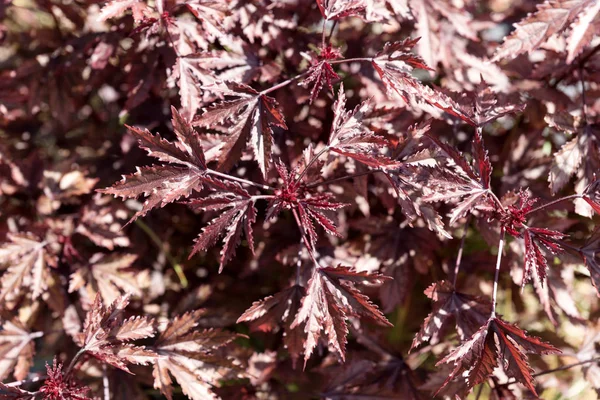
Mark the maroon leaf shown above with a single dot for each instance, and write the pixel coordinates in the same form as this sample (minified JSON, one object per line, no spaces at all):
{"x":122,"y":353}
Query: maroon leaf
{"x":394,"y":65}
{"x":254,"y":114}
{"x":164,"y":184}
{"x":496,"y":342}
{"x":309,"y":206}
{"x":238,"y":214}
{"x":337,"y":9}
{"x":535,"y":260}
{"x":590,"y":255}
{"x":350,"y":137}
{"x":279,"y":310}
{"x":330,"y":299}
{"x":116,"y":8}
{"x":16,"y":350}
{"x":106,"y":331}
{"x":28,"y":261}
{"x":185,"y":353}
{"x":472,"y":183}
{"x":552,"y":16}
{"x":321,"y":72}
{"x":467,"y":311}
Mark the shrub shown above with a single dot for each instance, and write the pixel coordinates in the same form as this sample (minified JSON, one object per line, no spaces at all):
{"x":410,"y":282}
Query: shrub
{"x":335,"y":199}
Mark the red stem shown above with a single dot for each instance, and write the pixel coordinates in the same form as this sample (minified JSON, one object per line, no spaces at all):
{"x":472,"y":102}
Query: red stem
{"x":571,"y":197}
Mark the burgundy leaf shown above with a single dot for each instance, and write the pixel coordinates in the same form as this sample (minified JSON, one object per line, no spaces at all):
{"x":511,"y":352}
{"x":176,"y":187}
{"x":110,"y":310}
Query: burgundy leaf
{"x":164,"y":184}
{"x":496,"y":342}
{"x":238,"y":213}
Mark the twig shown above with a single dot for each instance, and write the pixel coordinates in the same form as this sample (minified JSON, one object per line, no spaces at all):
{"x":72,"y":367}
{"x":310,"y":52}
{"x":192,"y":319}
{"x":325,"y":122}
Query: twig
{"x":571,"y":197}
{"x":369,"y":343}
{"x":550,"y":371}
{"x":311,"y":162}
{"x":284,"y":83}
{"x":162,"y":247}
{"x":74,"y":361}
{"x":327,"y":182}
{"x":497,"y":273}
{"x":331,"y":31}
{"x":496,"y":199}
{"x":240,"y":180}
{"x":479,"y":392}
{"x":26,"y":381}
{"x":581,"y":63}
{"x":349,"y":60}
{"x":460,"y":250}
{"x":299,"y":263}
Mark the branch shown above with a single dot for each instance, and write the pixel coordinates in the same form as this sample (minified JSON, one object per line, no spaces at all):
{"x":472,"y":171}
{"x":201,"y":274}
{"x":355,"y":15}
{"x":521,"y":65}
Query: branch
{"x":327,"y":182}
{"x":284,"y":83}
{"x":571,"y":197}
{"x":27,"y":381}
{"x":497,"y":273}
{"x":239,"y":180}
{"x":74,"y":361}
{"x":105,"y":383}
{"x":583,"y":100}
{"x":550,"y":371}
{"x":460,"y":251}
{"x":580,"y":64}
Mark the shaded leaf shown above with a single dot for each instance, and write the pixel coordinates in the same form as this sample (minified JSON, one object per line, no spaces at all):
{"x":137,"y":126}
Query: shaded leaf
{"x":185,"y":353}
{"x":496,"y":342}
{"x":468,"y":312}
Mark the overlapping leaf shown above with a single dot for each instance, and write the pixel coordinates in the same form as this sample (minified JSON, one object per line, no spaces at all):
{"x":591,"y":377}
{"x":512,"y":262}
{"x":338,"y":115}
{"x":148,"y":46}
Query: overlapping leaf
{"x":253,"y":116}
{"x":186,"y":354}
{"x":210,"y":13}
{"x":350,"y":137}
{"x":535,"y":260}
{"x":394,"y":65}
{"x":237,"y":214}
{"x":27,"y":260}
{"x":472,"y":183}
{"x":321,"y":72}
{"x":16,"y":350}
{"x":551,"y":17}
{"x":163,"y":184}
{"x":117,"y":8}
{"x":590,"y":251}
{"x":309,"y":206}
{"x":468,"y":312}
{"x":106,"y":334}
{"x":330,"y":299}
{"x":496,"y":343}
{"x":279,"y":310}
{"x":337,"y":9}
{"x":483,"y":105}
{"x":111,"y":276}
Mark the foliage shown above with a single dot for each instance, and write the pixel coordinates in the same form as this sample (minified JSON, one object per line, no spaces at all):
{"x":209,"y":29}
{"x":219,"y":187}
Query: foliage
{"x":197,"y":194}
